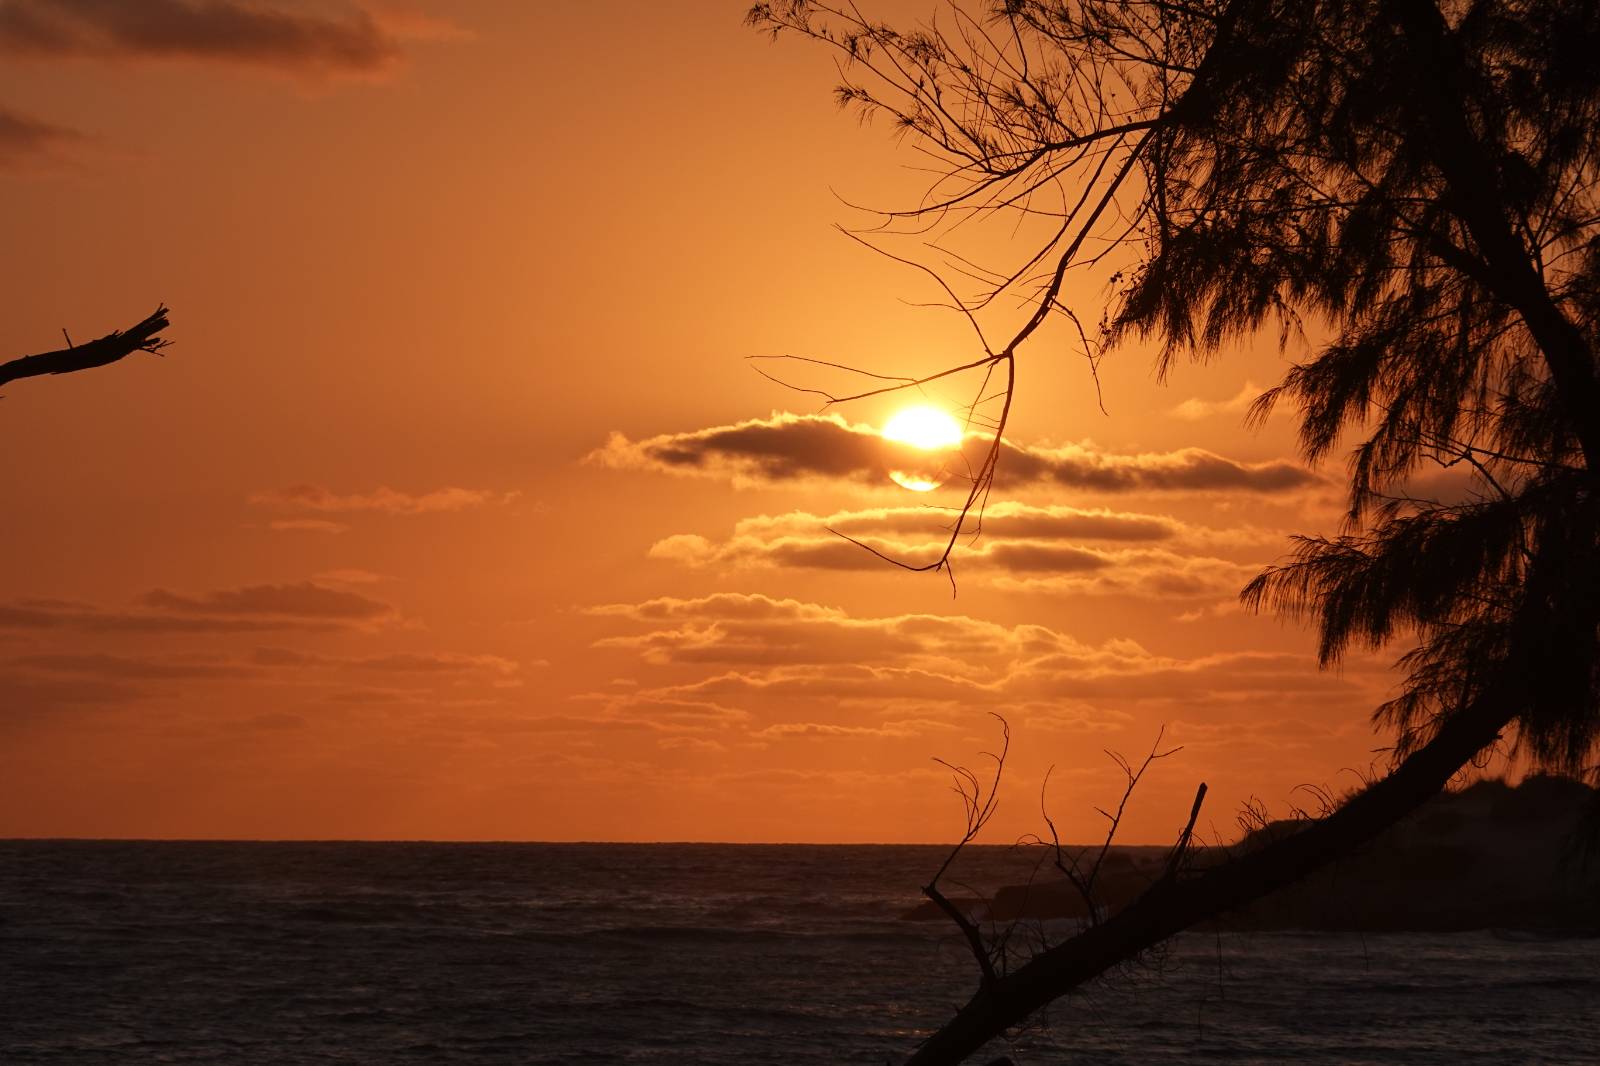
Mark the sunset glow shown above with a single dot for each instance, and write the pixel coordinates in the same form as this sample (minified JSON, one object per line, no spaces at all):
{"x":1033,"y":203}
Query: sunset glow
{"x":529,"y":533}
{"x":431,"y":523}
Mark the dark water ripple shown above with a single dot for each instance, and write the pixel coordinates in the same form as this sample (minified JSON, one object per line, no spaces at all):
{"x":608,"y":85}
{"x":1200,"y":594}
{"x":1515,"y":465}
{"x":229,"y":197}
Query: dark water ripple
{"x":263,"y":953}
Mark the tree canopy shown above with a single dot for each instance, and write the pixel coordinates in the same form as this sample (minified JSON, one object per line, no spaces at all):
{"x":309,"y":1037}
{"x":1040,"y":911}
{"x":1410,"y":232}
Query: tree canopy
{"x":1414,"y":181}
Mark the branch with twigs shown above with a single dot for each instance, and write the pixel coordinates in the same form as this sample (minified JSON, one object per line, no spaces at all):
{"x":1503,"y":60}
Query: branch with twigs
{"x":1032,"y":161}
{"x":979,"y":801}
{"x":978,"y":806}
{"x":1071,"y":866}
{"x":118,"y":344}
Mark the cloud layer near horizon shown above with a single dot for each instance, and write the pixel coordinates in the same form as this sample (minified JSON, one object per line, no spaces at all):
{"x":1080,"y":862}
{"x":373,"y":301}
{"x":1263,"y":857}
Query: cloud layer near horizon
{"x":752,"y":668}
{"x":788,"y":447}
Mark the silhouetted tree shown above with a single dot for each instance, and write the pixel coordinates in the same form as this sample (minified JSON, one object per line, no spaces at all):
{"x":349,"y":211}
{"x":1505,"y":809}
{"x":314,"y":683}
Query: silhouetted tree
{"x":142,"y":337}
{"x":1417,"y":179}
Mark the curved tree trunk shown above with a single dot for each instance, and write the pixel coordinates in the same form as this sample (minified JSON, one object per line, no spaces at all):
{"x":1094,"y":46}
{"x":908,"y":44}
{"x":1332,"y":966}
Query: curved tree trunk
{"x":1171,"y":906}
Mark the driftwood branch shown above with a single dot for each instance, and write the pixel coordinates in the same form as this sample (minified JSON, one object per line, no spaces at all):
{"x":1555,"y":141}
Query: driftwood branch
{"x":102,"y":352}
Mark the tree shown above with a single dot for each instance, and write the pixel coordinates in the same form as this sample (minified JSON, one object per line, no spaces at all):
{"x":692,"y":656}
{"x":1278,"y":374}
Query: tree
{"x":103,"y":351}
{"x":1414,"y":179}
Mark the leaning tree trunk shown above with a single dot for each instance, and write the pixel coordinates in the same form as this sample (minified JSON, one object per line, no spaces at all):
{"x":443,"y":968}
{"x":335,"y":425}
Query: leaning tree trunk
{"x":1171,"y":906}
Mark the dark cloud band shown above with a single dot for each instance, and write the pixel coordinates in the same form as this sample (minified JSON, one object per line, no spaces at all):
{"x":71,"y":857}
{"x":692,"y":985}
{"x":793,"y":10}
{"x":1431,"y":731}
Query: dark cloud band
{"x":786,"y":447}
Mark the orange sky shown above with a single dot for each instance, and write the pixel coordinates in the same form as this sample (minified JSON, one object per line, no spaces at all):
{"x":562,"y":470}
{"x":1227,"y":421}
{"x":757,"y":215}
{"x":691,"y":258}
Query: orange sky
{"x":456,"y":512}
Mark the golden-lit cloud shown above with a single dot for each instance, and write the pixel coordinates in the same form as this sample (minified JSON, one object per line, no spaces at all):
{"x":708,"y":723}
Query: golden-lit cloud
{"x":1194,"y":409}
{"x":382,"y":500}
{"x":307,"y":525}
{"x":788,"y":447}
{"x":347,"y":40}
{"x":1084,"y":466}
{"x":799,"y":669}
{"x":1043,"y":548}
{"x":1008,"y":519}
{"x":351,"y":576}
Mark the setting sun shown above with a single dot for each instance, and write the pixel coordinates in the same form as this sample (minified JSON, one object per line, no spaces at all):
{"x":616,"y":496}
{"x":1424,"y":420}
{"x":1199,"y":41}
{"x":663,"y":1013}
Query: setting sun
{"x":923,"y":427}
{"x":929,"y":429}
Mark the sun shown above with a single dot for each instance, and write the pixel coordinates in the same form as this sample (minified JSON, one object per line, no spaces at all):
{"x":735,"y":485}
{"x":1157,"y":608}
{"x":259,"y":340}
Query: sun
{"x":927,"y":429}
{"x":923,"y":427}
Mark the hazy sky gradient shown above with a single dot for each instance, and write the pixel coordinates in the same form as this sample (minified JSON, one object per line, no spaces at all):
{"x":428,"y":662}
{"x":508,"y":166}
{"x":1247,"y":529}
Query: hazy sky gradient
{"x":455,"y":510}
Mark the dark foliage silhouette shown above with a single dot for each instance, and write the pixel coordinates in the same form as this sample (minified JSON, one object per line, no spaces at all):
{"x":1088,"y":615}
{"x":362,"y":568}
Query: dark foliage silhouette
{"x":1415,"y":180}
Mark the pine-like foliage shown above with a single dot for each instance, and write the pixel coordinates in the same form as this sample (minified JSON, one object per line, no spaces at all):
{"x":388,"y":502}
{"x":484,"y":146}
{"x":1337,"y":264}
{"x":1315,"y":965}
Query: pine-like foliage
{"x":1424,"y":183}
{"x":1414,"y":181}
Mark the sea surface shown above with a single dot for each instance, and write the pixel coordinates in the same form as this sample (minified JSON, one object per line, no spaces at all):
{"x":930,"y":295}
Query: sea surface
{"x":284,"y":953}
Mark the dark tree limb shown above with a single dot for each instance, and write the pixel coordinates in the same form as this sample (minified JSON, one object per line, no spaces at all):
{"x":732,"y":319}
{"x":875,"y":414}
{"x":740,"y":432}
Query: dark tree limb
{"x":1172,"y":905}
{"x":1181,"y":850}
{"x":102,"y":352}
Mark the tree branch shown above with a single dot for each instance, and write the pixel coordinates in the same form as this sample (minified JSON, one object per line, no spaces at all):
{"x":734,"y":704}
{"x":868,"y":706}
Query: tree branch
{"x":102,"y":352}
{"x":1171,"y":906}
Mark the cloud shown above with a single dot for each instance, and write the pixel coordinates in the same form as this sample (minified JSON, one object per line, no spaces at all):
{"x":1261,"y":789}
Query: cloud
{"x":400,"y":663}
{"x":805,"y":670}
{"x":1184,"y":470}
{"x":788,"y":447}
{"x":699,"y":744}
{"x":1151,"y":575}
{"x":435,"y":663}
{"x":1008,"y":519}
{"x":1138,"y":554}
{"x":352,"y":576}
{"x":1024,"y":566}
{"x":122,"y":668}
{"x":666,"y":716}
{"x":300,"y":600}
{"x":383,"y":500}
{"x":26,"y":141}
{"x":308,"y":525}
{"x":257,"y":608}
{"x":904,"y":728}
{"x":90,"y":618}
{"x":1195,"y":409}
{"x":351,"y":40}
{"x":27,"y":696}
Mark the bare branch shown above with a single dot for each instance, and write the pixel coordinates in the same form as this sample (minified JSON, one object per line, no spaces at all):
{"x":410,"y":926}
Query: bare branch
{"x":104,"y":351}
{"x":978,"y":806}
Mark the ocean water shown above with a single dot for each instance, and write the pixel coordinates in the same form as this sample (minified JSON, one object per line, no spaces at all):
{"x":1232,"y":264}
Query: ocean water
{"x":284,"y":953}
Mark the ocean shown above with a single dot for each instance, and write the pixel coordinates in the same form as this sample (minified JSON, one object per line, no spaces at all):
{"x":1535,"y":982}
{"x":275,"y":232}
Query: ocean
{"x":134,"y":952}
